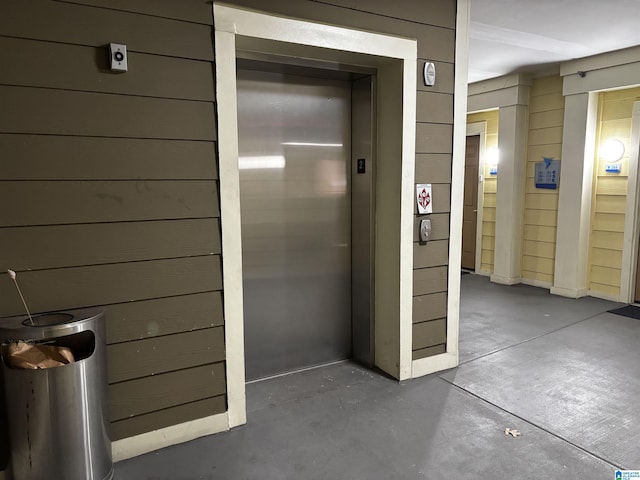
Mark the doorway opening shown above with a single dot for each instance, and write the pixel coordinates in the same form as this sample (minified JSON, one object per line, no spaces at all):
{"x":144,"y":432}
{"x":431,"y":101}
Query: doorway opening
{"x":306,"y":170}
{"x":470,"y":210}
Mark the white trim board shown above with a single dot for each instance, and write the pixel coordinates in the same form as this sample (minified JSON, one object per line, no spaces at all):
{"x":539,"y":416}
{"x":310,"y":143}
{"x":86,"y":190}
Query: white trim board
{"x":395,"y":60}
{"x":165,"y":437}
{"x":632,"y":212}
{"x":450,"y":359}
{"x":479,"y":128}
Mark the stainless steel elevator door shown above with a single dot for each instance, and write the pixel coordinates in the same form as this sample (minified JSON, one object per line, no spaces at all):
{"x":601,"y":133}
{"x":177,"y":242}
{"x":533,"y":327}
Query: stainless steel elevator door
{"x":294,"y":153}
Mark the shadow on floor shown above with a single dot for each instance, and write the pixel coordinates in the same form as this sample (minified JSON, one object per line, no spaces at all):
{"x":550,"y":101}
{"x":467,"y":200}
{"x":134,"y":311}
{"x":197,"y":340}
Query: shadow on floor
{"x":562,"y":372}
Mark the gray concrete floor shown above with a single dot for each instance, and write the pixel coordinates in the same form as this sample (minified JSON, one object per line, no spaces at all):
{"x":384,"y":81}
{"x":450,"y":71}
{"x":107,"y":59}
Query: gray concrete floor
{"x":563,"y":372}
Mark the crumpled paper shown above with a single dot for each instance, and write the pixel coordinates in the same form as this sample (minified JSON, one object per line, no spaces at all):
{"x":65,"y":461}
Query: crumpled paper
{"x":33,"y":356}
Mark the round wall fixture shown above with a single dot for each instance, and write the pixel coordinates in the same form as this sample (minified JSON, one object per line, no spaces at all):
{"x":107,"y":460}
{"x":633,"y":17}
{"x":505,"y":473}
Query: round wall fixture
{"x":612,"y":150}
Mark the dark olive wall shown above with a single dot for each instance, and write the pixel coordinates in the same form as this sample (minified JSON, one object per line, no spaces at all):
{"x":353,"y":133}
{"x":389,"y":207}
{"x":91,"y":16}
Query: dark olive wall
{"x":109,"y":192}
{"x":109,"y":186}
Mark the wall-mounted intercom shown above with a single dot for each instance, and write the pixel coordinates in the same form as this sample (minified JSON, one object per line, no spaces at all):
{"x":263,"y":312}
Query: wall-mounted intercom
{"x":425,"y":230}
{"x":118,"y":57}
{"x":429,"y":74}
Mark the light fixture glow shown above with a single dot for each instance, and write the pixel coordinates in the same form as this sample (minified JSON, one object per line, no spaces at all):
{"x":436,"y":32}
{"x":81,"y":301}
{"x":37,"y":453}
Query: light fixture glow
{"x":612,"y":150}
{"x":305,"y":144}
{"x":493,"y":156}
{"x":261,"y":162}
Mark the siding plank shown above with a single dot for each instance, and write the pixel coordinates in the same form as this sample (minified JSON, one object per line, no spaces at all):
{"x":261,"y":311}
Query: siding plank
{"x":38,"y":64}
{"x":47,"y":157}
{"x":606,"y":258}
{"x":538,"y":264}
{"x":439,"y":227}
{"x":428,"y":12}
{"x":540,"y":233}
{"x":540,"y":277}
{"x":546,"y":85}
{"x":611,"y":186}
{"x":84,"y":25}
{"x":429,"y":352}
{"x":429,"y":307}
{"x":38,"y":248}
{"x":163,"y":316}
{"x":167,"y":417}
{"x":153,"y":356}
{"x":539,"y":249}
{"x":545,"y":136}
{"x":551,"y":118}
{"x":536,"y":153}
{"x":605,"y":275}
{"x":434,"y":138}
{"x":195,"y":11}
{"x":540,"y":217}
{"x":541,"y":201}
{"x":434,"y":254}
{"x":61,"y":112}
{"x":428,"y":334}
{"x":611,"y":204}
{"x":608,"y":222}
{"x":77,"y":287}
{"x":106,"y":201}
{"x":434,"y":107}
{"x":429,"y":280}
{"x":608,"y":240}
{"x":433,"y":168}
{"x":150,"y":394}
{"x":543,"y":103}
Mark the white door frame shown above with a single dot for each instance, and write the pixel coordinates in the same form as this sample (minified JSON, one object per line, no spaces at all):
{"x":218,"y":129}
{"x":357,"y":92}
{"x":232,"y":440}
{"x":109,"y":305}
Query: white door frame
{"x":395,"y":60}
{"x":473,"y":129}
{"x":632,"y":214}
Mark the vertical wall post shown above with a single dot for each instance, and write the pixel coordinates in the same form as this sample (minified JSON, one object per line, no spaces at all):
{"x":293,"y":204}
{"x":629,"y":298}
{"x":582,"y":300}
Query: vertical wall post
{"x":574,"y":201}
{"x":512,"y":144}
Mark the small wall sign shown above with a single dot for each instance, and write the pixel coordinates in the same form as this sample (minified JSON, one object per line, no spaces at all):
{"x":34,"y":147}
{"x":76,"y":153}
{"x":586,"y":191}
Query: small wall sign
{"x":612,"y":168}
{"x":548,"y":173}
{"x":424,"y":198}
{"x":493,"y":170}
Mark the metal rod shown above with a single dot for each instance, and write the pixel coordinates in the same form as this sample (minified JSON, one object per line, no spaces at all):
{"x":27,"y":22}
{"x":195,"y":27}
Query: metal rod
{"x":12,"y":275}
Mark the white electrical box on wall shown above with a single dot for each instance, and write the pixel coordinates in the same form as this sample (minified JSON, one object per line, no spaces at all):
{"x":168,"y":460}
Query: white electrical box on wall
{"x":118,"y":57}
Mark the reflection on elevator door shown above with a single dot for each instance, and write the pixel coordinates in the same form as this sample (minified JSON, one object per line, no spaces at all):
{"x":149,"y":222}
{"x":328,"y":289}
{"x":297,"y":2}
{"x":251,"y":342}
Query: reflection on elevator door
{"x":294,"y":149}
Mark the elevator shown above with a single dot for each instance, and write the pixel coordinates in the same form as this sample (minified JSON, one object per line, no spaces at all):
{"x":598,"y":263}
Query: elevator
{"x":306,"y":168}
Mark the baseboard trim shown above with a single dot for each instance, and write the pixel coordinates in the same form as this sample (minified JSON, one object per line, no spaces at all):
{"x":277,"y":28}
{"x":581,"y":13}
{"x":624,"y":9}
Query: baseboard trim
{"x":505,"y":280}
{"x":569,"y":292}
{"x":437,"y":363}
{"x":165,"y":437}
{"x":536,"y":283}
{"x":605,"y":296}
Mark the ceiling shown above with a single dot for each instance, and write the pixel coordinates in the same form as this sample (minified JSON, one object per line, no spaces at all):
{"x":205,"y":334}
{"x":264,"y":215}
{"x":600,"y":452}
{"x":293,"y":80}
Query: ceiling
{"x":509,"y":36}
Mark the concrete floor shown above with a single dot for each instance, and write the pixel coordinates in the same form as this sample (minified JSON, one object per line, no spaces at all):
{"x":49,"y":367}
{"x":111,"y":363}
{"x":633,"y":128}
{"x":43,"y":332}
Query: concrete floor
{"x":563,"y":372}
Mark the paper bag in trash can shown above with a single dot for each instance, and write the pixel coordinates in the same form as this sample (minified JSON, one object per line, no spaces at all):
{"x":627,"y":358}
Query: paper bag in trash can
{"x":33,"y":356}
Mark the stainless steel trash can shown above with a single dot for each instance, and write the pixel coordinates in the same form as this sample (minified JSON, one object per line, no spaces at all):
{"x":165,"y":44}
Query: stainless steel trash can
{"x":59,"y":417}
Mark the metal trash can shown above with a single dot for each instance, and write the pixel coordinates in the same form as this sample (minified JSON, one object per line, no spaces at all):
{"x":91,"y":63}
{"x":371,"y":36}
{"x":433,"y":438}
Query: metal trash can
{"x":59,"y":417}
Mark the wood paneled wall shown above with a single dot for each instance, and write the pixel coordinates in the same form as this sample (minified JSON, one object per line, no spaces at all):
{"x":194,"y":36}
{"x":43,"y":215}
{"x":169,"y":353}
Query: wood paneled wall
{"x":609,"y":202}
{"x":109,"y":192}
{"x":546,"y":119}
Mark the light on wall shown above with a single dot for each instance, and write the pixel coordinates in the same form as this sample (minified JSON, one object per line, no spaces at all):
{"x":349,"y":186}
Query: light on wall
{"x":612,"y":150}
{"x":493,"y":156}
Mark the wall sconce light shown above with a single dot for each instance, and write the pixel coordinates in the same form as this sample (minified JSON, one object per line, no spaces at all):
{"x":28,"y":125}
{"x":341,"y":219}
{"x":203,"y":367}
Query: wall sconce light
{"x":493,"y":156}
{"x":612,"y":150}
